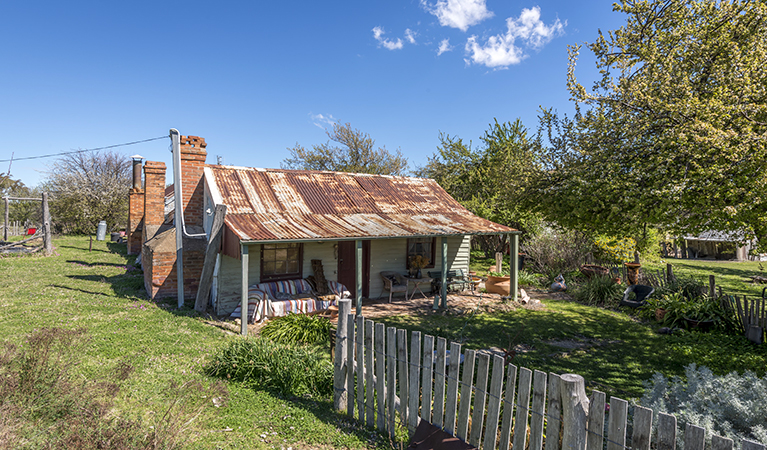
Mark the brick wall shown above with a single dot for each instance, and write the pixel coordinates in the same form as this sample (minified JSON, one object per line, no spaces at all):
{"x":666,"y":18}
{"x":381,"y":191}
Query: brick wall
{"x":135,"y":220}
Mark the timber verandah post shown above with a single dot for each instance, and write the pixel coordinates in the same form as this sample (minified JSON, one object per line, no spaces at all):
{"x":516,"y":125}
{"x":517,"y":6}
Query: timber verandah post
{"x":244,"y":291}
{"x":358,"y":276}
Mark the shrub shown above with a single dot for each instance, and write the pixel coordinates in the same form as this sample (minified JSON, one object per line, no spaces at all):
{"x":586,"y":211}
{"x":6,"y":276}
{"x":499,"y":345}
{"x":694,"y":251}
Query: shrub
{"x":555,"y":251}
{"x":614,"y":250}
{"x":599,"y":291}
{"x":731,"y":406}
{"x":528,"y":279}
{"x":298,"y":328}
{"x":261,"y":363}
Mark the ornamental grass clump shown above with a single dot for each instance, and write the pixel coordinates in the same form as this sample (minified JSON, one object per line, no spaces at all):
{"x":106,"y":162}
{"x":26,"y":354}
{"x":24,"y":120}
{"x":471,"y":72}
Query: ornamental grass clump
{"x":599,"y":291}
{"x":298,"y":328}
{"x":733,"y":406}
{"x":260,"y":363}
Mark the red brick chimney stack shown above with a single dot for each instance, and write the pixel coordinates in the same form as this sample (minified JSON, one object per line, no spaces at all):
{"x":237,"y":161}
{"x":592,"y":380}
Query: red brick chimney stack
{"x":193,"y":156}
{"x":154,"y":197}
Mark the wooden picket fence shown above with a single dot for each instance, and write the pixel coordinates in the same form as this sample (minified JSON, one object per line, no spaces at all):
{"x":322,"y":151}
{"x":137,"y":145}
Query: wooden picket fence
{"x":389,"y":386}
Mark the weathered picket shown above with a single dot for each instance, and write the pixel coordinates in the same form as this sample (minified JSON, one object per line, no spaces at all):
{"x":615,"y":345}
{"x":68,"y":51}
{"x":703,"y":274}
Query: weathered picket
{"x":394,"y":390}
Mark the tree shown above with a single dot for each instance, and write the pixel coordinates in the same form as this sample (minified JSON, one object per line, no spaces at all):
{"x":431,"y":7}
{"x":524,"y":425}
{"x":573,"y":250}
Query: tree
{"x":89,"y":187}
{"x":356,"y":154}
{"x":489,"y":180}
{"x":674,"y":132}
{"x":21,"y":211}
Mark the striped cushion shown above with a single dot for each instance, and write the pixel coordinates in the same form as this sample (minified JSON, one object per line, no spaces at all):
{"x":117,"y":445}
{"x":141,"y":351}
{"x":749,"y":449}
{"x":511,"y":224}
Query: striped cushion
{"x":262,"y":296}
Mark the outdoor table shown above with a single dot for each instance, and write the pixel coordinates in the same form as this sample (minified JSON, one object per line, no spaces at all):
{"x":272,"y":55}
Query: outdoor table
{"x":417,"y":282}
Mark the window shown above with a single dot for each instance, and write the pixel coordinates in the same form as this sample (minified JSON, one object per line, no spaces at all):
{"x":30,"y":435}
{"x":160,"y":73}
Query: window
{"x":423,"y":247}
{"x":282,"y":261}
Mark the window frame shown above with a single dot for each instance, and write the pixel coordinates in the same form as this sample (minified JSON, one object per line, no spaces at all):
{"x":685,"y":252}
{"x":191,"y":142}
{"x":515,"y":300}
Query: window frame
{"x":284,"y":276}
{"x":432,"y":257}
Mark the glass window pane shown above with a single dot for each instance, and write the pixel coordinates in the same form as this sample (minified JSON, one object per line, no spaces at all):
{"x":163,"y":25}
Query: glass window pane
{"x":293,"y":267}
{"x":268,"y":268}
{"x":281,"y":254}
{"x":279,"y":267}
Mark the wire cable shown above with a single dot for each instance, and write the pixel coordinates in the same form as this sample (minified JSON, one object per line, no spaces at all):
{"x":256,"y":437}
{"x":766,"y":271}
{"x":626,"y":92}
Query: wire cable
{"x":86,"y":150}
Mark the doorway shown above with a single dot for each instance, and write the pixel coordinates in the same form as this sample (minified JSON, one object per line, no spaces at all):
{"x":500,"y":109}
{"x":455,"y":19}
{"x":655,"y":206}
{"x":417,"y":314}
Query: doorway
{"x":347,"y":271}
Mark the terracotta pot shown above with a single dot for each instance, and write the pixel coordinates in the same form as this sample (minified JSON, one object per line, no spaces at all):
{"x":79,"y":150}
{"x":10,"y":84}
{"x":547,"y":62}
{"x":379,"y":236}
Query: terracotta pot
{"x":498,"y":285}
{"x":660,"y":313}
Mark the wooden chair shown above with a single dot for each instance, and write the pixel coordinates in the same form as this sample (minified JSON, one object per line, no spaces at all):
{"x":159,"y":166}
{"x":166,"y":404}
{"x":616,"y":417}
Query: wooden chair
{"x":393,"y":282}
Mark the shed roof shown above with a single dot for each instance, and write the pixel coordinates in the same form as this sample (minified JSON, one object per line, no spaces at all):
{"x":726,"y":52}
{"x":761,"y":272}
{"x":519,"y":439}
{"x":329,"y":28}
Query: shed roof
{"x":299,"y":205}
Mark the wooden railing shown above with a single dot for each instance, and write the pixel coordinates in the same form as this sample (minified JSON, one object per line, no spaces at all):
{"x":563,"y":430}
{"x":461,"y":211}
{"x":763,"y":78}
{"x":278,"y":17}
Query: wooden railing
{"x":388,"y":387}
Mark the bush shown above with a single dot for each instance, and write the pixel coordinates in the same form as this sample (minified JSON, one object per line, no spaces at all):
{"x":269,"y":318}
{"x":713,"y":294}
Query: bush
{"x":555,"y":251}
{"x":731,"y":406}
{"x":298,"y":328}
{"x":260,"y":363}
{"x":614,"y":250}
{"x":599,"y":291}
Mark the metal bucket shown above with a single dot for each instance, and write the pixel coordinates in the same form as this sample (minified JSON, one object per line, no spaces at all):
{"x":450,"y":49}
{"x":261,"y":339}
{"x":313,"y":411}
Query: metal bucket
{"x":101,"y":231}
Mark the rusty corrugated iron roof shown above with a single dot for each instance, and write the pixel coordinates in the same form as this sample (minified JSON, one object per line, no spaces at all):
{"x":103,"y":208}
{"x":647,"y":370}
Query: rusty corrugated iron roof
{"x":297,"y":205}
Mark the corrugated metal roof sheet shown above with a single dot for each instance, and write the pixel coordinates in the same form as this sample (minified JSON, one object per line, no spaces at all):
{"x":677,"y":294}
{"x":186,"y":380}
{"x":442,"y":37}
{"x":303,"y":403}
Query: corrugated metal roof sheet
{"x":275,"y":204}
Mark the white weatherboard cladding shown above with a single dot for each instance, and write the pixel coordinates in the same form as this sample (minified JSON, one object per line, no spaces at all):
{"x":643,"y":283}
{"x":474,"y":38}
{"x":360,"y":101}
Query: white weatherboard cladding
{"x":230,"y":272}
{"x":385,"y":255}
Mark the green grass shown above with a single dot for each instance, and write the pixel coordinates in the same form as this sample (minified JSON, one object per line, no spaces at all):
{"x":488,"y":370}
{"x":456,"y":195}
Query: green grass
{"x":622,"y":353}
{"x":731,"y":275}
{"x":77,"y":288}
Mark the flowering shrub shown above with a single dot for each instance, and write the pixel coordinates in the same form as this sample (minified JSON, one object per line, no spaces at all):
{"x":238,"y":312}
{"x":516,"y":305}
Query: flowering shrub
{"x":610,"y":249}
{"x":733,"y":406}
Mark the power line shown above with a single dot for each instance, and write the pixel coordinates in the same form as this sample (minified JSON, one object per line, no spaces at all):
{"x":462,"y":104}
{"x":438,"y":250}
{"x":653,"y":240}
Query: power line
{"x":85,"y":150}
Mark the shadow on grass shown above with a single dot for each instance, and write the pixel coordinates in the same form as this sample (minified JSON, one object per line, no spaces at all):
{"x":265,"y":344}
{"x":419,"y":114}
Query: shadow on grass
{"x":99,"y":264}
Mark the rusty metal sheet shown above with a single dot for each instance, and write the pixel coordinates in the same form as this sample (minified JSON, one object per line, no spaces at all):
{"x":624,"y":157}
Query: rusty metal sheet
{"x":276,"y":204}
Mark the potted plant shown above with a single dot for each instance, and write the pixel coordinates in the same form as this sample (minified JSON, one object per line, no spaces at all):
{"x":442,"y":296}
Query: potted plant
{"x":417,"y":263}
{"x":499,"y":283}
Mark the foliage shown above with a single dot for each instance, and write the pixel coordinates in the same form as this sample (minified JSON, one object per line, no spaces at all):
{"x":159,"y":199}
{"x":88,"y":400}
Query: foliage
{"x":418,"y":262}
{"x":356,"y":154}
{"x":489,"y":180}
{"x":19,"y":210}
{"x":599,"y":291}
{"x":44,"y":404}
{"x":672,"y":134}
{"x":260,"y":363}
{"x":89,"y":187}
{"x":298,"y":328}
{"x":554,"y":251}
{"x":528,"y":279}
{"x":733,"y":406}
{"x":614,"y":250}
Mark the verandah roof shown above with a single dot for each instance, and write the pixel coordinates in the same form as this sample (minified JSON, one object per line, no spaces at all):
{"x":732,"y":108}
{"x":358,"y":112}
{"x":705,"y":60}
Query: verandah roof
{"x":295,"y":205}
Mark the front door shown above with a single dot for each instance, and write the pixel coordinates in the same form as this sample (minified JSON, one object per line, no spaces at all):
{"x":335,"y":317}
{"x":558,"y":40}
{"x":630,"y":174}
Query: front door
{"x":347,"y":271}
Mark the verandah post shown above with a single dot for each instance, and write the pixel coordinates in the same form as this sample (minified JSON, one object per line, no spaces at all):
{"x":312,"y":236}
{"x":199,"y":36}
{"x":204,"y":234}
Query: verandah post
{"x":244,"y":291}
{"x":443,"y":293}
{"x":514,"y":272}
{"x":358,"y":276}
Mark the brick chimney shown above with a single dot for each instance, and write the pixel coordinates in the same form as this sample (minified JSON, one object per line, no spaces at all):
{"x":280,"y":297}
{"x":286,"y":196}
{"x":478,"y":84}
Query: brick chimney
{"x":193,"y":156}
{"x":154,"y":198}
{"x":135,"y":210}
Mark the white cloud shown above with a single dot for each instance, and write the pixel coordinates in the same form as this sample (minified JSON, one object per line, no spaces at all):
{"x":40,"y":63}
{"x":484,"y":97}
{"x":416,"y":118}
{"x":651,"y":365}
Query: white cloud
{"x":378,"y":33}
{"x":459,"y":14}
{"x":322,"y":121}
{"x":410,"y":35}
{"x":444,"y":46}
{"x":503,"y":50}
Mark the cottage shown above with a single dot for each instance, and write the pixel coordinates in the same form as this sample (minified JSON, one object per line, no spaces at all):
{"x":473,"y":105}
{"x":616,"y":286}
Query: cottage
{"x":285,"y":225}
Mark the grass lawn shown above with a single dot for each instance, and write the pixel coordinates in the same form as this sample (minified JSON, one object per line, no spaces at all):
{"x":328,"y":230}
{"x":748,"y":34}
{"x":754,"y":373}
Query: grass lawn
{"x":77,"y":288}
{"x":96,"y":290}
{"x":731,"y":275}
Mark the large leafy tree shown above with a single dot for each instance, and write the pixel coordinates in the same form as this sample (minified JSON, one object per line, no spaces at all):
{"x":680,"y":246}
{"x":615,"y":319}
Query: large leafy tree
{"x":347,"y":150}
{"x":492,"y":178}
{"x":87,"y":188}
{"x":674,"y":131}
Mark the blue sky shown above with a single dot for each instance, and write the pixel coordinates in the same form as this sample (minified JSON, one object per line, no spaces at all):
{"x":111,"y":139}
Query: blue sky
{"x":255,"y":78}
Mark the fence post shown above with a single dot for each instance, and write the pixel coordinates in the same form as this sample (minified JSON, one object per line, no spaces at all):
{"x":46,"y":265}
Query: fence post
{"x":712,"y":286}
{"x":5,"y":228}
{"x":575,"y":406}
{"x":340,"y":366}
{"x":48,"y":246}
{"x":669,"y":273}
